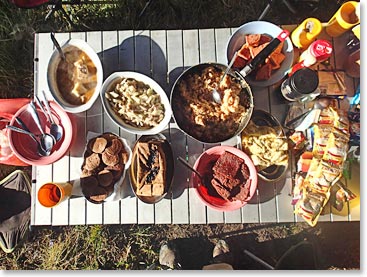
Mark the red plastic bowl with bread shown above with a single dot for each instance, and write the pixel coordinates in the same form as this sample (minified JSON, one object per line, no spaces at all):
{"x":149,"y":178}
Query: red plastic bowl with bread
{"x":230,"y":178}
{"x":249,"y":39}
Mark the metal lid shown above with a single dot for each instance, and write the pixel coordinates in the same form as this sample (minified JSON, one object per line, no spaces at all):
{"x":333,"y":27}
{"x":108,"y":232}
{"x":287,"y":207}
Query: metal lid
{"x":304,"y":80}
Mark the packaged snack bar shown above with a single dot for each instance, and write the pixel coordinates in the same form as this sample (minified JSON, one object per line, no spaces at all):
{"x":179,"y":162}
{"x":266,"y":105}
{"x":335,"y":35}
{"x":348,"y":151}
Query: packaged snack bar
{"x":310,"y":206}
{"x":321,"y":134}
{"x":326,"y":176}
{"x":336,"y":148}
{"x":327,"y":116}
{"x":341,"y":121}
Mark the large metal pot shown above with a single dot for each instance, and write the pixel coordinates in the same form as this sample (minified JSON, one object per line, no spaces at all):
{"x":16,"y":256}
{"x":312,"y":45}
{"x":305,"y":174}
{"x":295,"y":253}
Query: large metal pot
{"x":213,"y":133}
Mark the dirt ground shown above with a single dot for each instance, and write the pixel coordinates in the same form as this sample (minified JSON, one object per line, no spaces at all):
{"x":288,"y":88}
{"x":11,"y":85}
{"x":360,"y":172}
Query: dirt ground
{"x":336,"y":245}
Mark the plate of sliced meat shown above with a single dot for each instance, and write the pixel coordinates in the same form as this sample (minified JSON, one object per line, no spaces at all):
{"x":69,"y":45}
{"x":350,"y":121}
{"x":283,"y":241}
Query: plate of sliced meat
{"x":232,"y":175}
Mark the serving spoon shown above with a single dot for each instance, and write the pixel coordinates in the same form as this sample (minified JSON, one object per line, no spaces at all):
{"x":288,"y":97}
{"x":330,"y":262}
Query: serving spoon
{"x":47,"y":141}
{"x":203,"y":180}
{"x":58,"y":47}
{"x":215,"y":93}
{"x":41,"y":151}
{"x":56,"y":130}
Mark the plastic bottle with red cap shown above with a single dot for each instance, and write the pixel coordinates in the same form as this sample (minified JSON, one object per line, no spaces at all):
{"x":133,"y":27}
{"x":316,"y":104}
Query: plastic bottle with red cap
{"x":318,"y":51}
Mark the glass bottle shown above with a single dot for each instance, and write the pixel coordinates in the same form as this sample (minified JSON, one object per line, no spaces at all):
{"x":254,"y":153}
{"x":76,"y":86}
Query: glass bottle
{"x":301,"y":86}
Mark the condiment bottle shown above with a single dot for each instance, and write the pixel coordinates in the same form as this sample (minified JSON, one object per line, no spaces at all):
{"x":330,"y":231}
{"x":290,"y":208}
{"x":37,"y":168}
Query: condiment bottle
{"x":301,"y":86}
{"x":319,"y":51}
{"x":345,"y":18}
{"x":302,"y":64}
{"x":306,"y":32}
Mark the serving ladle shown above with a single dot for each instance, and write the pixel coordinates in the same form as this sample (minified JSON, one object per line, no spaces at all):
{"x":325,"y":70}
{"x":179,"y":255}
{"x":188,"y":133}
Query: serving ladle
{"x":41,"y":151}
{"x":56,"y":130}
{"x":203,"y":180}
{"x":46,"y":140}
{"x":58,"y":47}
{"x":215,"y":93}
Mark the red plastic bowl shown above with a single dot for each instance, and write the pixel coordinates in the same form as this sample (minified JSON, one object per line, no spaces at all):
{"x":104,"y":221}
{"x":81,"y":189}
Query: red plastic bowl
{"x":204,"y":164}
{"x":26,"y":149}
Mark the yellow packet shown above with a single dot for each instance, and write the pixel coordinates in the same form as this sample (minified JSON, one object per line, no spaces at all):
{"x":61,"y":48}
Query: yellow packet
{"x":336,"y":148}
{"x":322,"y":132}
{"x":341,"y":121}
{"x":326,"y":176}
{"x":311,"y":205}
{"x":327,"y":116}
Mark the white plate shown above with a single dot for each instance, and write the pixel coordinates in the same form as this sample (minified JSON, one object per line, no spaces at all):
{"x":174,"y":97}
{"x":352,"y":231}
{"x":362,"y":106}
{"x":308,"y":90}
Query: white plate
{"x":237,"y":39}
{"x":116,"y":77}
{"x":51,"y":75}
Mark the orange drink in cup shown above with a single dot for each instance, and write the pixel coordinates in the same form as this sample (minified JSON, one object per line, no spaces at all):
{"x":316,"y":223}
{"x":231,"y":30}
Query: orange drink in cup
{"x":51,"y":194}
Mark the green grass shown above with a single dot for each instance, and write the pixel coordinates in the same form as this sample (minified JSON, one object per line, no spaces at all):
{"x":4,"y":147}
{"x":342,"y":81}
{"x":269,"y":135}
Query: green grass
{"x":83,"y":247}
{"x":126,"y":246}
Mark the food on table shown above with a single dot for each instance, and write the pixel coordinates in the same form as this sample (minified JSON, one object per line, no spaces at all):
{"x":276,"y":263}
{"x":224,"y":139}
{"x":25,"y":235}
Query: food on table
{"x":265,"y":145}
{"x":324,"y":164}
{"x":231,"y":177}
{"x":76,"y":76}
{"x":297,"y":140}
{"x":105,"y":178}
{"x":104,"y":162}
{"x":136,"y":103}
{"x":200,"y":116}
{"x":92,"y":161}
{"x":252,"y":47}
{"x":98,"y":145}
{"x":151,"y":168}
{"x":304,"y":162}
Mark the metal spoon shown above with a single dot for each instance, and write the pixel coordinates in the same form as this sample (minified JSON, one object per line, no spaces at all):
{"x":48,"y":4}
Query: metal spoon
{"x":203,"y":180}
{"x":58,"y":47}
{"x":56,"y":130}
{"x":47,"y":141}
{"x":215,"y":93}
{"x":41,"y":151}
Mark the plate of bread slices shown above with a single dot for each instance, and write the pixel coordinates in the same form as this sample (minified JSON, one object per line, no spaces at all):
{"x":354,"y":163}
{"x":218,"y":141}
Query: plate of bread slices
{"x":152,"y":167}
{"x":106,"y":159}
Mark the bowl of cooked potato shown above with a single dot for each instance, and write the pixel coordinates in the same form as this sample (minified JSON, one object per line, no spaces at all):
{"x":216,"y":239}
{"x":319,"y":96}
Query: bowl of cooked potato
{"x":136,"y":103}
{"x":266,"y":143}
{"x":248,"y":41}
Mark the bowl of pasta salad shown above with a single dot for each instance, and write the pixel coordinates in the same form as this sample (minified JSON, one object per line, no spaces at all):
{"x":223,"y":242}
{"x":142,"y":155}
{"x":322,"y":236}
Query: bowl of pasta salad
{"x":136,"y":103}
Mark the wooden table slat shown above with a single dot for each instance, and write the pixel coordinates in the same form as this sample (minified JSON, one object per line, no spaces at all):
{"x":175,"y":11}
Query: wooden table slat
{"x":180,"y":197}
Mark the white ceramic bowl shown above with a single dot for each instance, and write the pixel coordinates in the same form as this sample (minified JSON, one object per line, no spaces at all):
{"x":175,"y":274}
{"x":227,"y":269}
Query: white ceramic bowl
{"x":237,"y":39}
{"x":109,"y":85}
{"x":51,"y":76}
